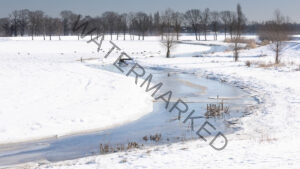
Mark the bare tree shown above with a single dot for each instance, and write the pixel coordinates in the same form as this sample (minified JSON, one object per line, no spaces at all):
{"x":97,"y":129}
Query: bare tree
{"x":167,"y":19}
{"x":19,"y":20}
{"x":232,"y":23}
{"x":44,"y":23}
{"x":5,"y":27}
{"x":124,"y":23}
{"x":162,"y":27}
{"x":59,"y":27}
{"x":156,"y":22}
{"x":92,"y":24}
{"x":35,"y":22}
{"x":215,"y":20}
{"x":238,"y":28}
{"x":177,"y":18}
{"x":193,"y":17}
{"x":241,"y":20}
{"x":68,"y":19}
{"x":98,"y":22}
{"x":14,"y":17}
{"x":142,"y":24}
{"x":53,"y":26}
{"x":23,"y":20}
{"x":225,"y":17}
{"x":150,"y":24}
{"x":205,"y":18}
{"x":132,"y":25}
{"x":121,"y":25}
{"x":169,"y":42}
{"x":118,"y":25}
{"x":276,"y":31}
{"x":110,"y":21}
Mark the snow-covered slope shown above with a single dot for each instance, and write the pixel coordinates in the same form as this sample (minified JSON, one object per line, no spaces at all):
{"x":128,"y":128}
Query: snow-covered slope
{"x":46,"y":92}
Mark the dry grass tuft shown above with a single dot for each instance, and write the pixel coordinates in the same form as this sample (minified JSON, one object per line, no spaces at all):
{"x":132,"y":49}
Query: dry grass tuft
{"x":269,"y":65}
{"x":155,"y":137}
{"x":265,"y":138}
{"x":248,"y":63}
{"x":265,"y":42}
{"x":250,"y":43}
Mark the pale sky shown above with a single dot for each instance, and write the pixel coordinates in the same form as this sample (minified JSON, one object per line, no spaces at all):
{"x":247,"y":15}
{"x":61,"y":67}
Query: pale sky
{"x":257,"y":10}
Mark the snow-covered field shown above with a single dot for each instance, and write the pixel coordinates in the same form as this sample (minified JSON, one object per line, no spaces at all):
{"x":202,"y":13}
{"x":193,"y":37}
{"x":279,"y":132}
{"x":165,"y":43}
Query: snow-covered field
{"x":45,"y":91}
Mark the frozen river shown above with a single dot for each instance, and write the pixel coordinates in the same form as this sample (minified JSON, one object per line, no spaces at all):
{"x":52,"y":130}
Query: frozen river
{"x":197,"y":92}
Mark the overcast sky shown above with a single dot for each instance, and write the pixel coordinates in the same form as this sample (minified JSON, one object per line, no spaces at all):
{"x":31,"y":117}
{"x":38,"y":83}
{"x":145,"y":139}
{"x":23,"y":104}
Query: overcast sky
{"x":257,"y":10}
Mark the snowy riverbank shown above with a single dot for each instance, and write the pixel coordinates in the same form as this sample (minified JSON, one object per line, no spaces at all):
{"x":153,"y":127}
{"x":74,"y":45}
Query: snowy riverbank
{"x":46,"y":92}
{"x":269,"y":137}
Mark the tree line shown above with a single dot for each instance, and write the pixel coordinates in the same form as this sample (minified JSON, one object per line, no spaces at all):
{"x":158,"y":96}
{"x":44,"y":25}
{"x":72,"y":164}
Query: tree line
{"x":199,"y":22}
{"x":36,"y":23}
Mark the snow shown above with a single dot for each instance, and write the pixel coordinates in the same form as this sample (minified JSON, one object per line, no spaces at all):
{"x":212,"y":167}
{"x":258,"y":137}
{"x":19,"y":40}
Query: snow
{"x":47,"y":93}
{"x":269,"y":137}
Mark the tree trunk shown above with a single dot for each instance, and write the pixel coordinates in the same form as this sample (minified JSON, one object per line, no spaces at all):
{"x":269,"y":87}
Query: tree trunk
{"x":216,"y":36}
{"x":277,"y":53}
{"x":32,"y":35}
{"x":236,"y":54}
{"x":168,"y":53}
